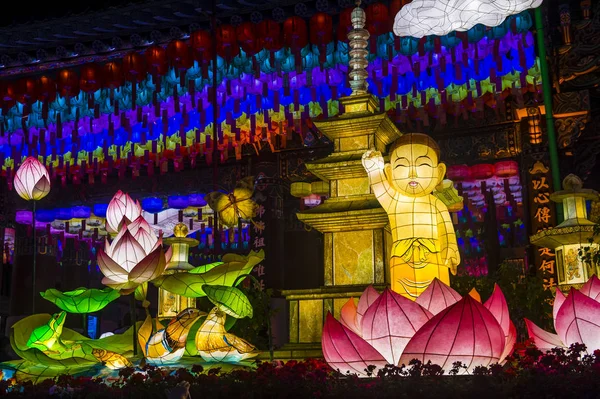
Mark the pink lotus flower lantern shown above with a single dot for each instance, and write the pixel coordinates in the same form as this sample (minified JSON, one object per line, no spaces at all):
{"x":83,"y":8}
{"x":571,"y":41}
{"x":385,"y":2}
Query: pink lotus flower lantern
{"x":32,"y":181}
{"x":121,"y":209}
{"x":440,"y":326}
{"x":576,"y":319}
{"x":134,"y":257}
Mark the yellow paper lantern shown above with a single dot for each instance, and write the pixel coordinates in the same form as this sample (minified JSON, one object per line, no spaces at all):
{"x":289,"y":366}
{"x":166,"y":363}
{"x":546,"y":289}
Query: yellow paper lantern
{"x":300,"y":189}
{"x":319,"y":187}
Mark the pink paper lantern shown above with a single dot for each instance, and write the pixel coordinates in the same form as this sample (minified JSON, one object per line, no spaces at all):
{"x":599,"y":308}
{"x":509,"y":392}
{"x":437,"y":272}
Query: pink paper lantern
{"x":498,"y":307}
{"x":134,"y":257}
{"x":390,"y":322}
{"x":121,"y":207}
{"x":578,"y":319}
{"x":32,"y":181}
{"x":345,"y":351}
{"x":575,"y":319}
{"x":591,"y":288}
{"x":542,"y":339}
{"x":369,"y":296}
{"x":437,"y":297}
{"x":465,"y":332}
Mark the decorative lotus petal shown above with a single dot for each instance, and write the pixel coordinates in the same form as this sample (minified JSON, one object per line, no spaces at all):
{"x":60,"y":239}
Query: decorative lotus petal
{"x":32,"y":181}
{"x":143,"y":234}
{"x":190,"y":285}
{"x":346,"y":351}
{"x":127,"y":252}
{"x":542,"y":339}
{"x":120,"y":207}
{"x":465,"y":332}
{"x":437,"y":297}
{"x":578,"y":320}
{"x":367,"y":298}
{"x":230,"y":300}
{"x":81,"y":300}
{"x":559,"y":299}
{"x":348,"y":316}
{"x":509,"y":344}
{"x":496,"y":304}
{"x":390,"y":322}
{"x":149,"y":268}
{"x":592,"y":288}
{"x":110,"y":269}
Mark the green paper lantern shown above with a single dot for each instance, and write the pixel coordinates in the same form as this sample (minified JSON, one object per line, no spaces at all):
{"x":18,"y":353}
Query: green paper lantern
{"x":230,"y":300}
{"x":81,"y":300}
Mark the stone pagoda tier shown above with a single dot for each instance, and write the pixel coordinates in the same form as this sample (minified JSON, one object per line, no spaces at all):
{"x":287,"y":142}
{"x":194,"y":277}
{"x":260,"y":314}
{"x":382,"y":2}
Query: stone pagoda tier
{"x":357,"y":243}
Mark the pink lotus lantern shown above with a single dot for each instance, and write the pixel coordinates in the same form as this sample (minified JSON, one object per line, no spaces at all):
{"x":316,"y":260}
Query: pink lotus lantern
{"x":134,"y":257}
{"x":576,"y":319}
{"x":440,"y":326}
{"x":32,"y":181}
{"x":121,"y":207}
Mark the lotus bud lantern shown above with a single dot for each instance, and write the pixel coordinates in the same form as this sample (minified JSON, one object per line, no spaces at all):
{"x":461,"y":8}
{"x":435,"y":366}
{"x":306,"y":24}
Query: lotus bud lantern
{"x":32,"y":181}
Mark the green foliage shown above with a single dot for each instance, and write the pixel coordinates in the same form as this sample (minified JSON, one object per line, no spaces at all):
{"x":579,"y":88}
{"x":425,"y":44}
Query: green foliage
{"x":229,"y":299}
{"x":256,"y":329}
{"x":524,"y":293}
{"x":81,"y":300}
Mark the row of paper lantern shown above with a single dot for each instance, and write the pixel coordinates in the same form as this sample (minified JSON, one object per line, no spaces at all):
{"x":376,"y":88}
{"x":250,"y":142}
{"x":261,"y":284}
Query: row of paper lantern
{"x":118,"y":138}
{"x":502,"y":169}
{"x":446,"y":71}
{"x":248,"y":48}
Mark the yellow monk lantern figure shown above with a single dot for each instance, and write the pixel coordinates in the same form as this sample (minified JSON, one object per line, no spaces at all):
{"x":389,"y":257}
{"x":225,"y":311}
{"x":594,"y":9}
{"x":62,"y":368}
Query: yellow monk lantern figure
{"x":424,"y":242}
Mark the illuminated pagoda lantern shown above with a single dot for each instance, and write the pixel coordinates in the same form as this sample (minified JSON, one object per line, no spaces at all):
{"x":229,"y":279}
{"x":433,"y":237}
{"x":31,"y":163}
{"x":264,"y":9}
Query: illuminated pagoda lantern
{"x":572,"y":235}
{"x":356,"y":240}
{"x":169,"y":304}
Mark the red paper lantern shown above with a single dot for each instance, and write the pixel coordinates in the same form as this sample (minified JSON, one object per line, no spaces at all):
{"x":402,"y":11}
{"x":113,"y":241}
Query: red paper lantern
{"x":9,"y":94}
{"x":344,"y":25}
{"x":482,"y":171}
{"x":46,"y":88}
{"x":506,"y":168}
{"x":246,"y":37}
{"x":27,"y":90}
{"x":112,"y":75}
{"x":90,"y":78}
{"x":67,"y":83}
{"x":295,"y":33}
{"x":201,"y":42}
{"x":458,"y":172}
{"x":268,"y":34}
{"x":227,"y":45}
{"x":179,"y":55}
{"x":156,"y":59}
{"x":134,"y":67}
{"x":378,"y":19}
{"x":321,"y":29}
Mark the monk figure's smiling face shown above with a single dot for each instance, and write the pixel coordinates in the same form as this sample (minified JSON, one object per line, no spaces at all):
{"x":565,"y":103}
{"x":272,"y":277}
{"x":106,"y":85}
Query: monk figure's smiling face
{"x":414,"y":169}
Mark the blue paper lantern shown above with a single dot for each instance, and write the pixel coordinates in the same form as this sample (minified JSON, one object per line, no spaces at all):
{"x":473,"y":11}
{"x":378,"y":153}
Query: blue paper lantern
{"x":100,"y":210}
{"x":178,"y":201}
{"x":197,"y":200}
{"x":152,"y":204}
{"x":45,"y":215}
{"x":64,"y":213}
{"x":81,"y":212}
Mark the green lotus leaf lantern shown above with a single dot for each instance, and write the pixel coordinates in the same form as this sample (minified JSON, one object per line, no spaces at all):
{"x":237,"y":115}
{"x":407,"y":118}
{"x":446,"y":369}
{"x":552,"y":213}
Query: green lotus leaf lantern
{"x":204,"y":268}
{"x":229,"y":299}
{"x":81,"y":300}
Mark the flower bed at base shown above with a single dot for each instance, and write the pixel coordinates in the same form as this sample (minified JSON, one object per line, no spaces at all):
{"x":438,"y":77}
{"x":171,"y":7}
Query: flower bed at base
{"x":528,"y":373}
